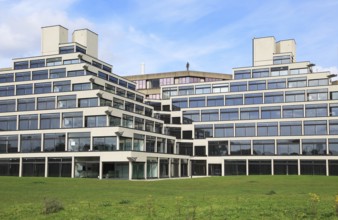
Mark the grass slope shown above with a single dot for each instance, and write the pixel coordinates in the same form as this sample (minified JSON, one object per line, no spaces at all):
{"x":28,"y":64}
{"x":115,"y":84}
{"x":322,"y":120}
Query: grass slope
{"x":242,"y":197}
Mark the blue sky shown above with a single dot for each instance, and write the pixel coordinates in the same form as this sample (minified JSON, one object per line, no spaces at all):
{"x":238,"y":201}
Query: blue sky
{"x":213,"y":35}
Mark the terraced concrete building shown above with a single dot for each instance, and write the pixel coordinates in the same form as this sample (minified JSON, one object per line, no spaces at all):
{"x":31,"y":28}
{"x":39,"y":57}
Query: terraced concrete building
{"x":66,"y":114}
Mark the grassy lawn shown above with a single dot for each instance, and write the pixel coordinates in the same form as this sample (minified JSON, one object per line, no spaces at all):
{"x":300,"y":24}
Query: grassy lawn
{"x":252,"y":197}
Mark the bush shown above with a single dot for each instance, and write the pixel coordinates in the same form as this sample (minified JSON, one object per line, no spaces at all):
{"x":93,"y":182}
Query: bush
{"x":51,"y":206}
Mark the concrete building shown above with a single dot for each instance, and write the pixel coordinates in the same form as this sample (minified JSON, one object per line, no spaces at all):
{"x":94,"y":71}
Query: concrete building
{"x":150,"y":84}
{"x":66,"y":114}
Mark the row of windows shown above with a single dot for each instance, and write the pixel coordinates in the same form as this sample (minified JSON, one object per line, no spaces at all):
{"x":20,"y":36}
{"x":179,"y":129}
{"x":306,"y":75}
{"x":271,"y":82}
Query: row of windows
{"x":298,"y":82}
{"x":267,"y":72}
{"x":81,"y":141}
{"x":253,"y":98}
{"x":287,"y":128}
{"x":271,"y":112}
{"x":74,"y":120}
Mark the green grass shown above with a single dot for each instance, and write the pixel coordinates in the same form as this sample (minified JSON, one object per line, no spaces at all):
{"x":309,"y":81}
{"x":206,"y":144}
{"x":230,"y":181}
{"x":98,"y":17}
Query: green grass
{"x":243,"y":197}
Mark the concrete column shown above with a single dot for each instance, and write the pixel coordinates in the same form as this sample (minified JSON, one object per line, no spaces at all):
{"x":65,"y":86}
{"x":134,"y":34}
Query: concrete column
{"x":158,"y":167}
{"x":100,"y":169}
{"x":179,"y":168}
{"x":272,"y":168}
{"x":207,"y":168}
{"x":73,"y":167}
{"x":327,"y":167}
{"x":222,"y":167}
{"x":117,"y":142}
{"x":298,"y":161}
{"x":247,"y":167}
{"x":20,"y":167}
{"x":169,"y":167}
{"x":46,"y":166}
{"x":130,"y":170}
{"x":145,"y":170}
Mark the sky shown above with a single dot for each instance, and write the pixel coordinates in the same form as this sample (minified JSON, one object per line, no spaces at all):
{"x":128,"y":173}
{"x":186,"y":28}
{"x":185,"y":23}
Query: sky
{"x":213,"y":35}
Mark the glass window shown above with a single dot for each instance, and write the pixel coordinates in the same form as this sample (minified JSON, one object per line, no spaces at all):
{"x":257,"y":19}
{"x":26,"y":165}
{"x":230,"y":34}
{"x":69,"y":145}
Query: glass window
{"x":298,"y":71}
{"x":288,"y":147}
{"x":7,"y":105}
{"x":80,"y":49}
{"x":57,"y":73}
{"x":72,"y":61}
{"x":50,"y":121}
{"x":97,"y":64}
{"x":113,"y":79}
{"x":297,"y":82}
{"x":118,"y":103}
{"x":66,"y":49}
{"x":218,"y":148}
{"x":293,"y":111}
{"x":23,"y":76}
{"x":291,"y":128}
{"x":218,"y":88}
{"x":271,"y":112}
{"x":37,"y":63}
{"x":224,"y":130}
{"x":257,"y":85}
{"x":276,"y":83}
{"x":28,"y":122}
{"x":4,"y":78}
{"x":215,"y":101}
{"x":139,"y":109}
{"x":102,"y":75}
{"x":104,"y":143}
{"x":203,"y":131}
{"x":260,"y":73}
{"x":88,"y":102}
{"x":129,"y":106}
{"x":75,"y":73}
{"x":72,"y":120}
{"x":186,"y":90}
{"x":46,"y":103}
{"x":96,"y":121}
{"x":273,"y":97}
{"x":245,"y":130}
{"x":267,"y":129}
{"x":30,"y":143}
{"x":231,"y":100}
{"x":149,"y":126}
{"x":107,"y":68}
{"x":333,"y":126}
{"x":114,"y":121}
{"x":168,"y":92}
{"x":105,"y":102}
{"x":240,"y":148}
{"x":54,"y":142}
{"x":191,"y":116}
{"x":210,"y":115}
{"x":263,"y":147}
{"x":79,"y":141}
{"x":319,"y":82}
{"x":314,"y":146}
{"x":279,"y":71}
{"x":148,"y":112}
{"x":130,"y":95}
{"x":249,"y":113}
{"x":67,"y":101}
{"x":242,"y":74}
{"x":124,"y":83}
{"x":333,"y":146}
{"x":333,"y":109}
{"x":26,"y":104}
{"x":317,"y":95}
{"x":8,"y":123}
{"x":282,"y":59}
{"x":8,"y":143}
{"x":40,"y":88}
{"x":229,"y":114}
{"x":315,"y":127}
{"x":6,"y":90}
{"x":21,"y":65}
{"x":61,"y":86}
{"x":110,"y":88}
{"x":316,"y":110}
{"x":81,"y":86}
{"x":40,"y":74}
{"x":54,"y":61}
{"x":254,"y":98}
{"x":121,"y":92}
{"x":97,"y":86}
{"x":25,"y":89}
{"x":238,"y":87}
{"x":197,"y":102}
{"x":295,"y":96}
{"x":128,"y":121}
{"x":202,"y":89}
{"x":179,"y":103}
{"x":139,"y":123}
{"x":138,"y":142}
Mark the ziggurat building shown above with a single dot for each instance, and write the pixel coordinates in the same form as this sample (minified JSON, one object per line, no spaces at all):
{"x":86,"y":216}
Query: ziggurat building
{"x":66,"y":114}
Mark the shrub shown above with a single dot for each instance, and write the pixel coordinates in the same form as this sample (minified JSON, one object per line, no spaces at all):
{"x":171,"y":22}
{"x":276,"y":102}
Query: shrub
{"x":51,"y":206}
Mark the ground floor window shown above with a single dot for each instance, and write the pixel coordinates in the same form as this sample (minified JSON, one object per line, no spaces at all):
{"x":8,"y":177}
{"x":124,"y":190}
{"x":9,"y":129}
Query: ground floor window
{"x":60,"y":167}
{"x":215,"y":169}
{"x":87,"y":167}
{"x":33,"y":167}
{"x":259,"y":167}
{"x":234,"y":167}
{"x":115,"y":170}
{"x":285,"y":167}
{"x":152,"y":168}
{"x":9,"y":167}
{"x":333,"y":167}
{"x":312,"y":167}
{"x":199,"y":167}
{"x":138,"y":170}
